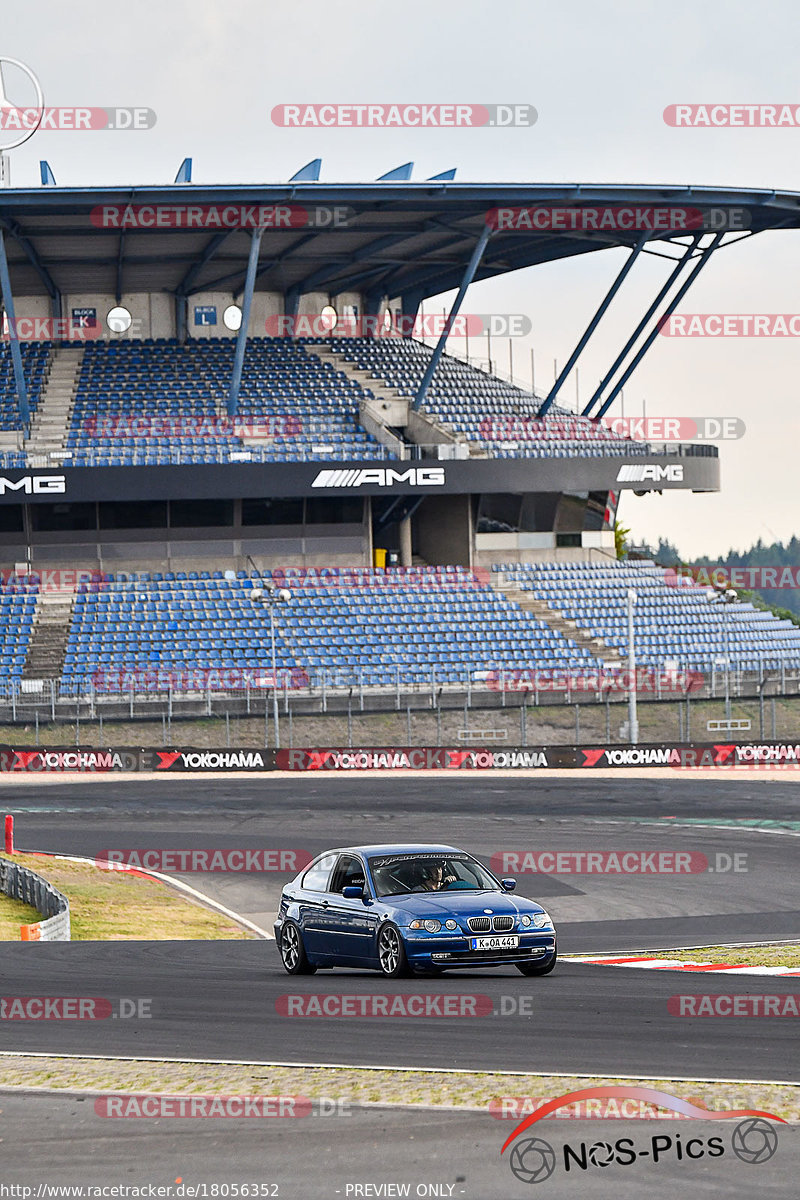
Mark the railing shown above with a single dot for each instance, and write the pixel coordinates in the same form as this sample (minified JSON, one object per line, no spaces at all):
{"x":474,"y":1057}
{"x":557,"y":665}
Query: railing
{"x":22,"y":884}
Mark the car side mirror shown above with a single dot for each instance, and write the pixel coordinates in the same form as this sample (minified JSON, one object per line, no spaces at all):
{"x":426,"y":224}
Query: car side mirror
{"x":509,"y":885}
{"x":353,"y":893}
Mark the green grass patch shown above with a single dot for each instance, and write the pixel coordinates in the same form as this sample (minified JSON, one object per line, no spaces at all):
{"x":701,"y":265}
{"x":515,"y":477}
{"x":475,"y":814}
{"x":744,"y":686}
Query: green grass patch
{"x":14,"y":913}
{"x":741,"y":956}
{"x":116,"y":906}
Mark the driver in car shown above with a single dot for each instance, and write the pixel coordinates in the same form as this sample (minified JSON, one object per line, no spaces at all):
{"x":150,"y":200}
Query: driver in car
{"x":434,"y":878}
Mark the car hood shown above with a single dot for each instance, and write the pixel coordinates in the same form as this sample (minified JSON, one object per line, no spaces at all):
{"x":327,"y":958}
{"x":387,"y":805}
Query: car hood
{"x":459,"y":904}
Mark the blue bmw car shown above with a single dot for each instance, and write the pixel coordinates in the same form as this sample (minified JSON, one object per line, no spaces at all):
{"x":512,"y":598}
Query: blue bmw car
{"x":399,"y":909}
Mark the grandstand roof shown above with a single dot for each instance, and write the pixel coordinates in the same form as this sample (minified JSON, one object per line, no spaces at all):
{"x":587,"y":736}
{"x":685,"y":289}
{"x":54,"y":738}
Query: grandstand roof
{"x":398,"y":238}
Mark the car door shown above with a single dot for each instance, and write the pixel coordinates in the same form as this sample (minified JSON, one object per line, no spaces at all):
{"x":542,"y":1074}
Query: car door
{"x":350,"y":925}
{"x":313,"y":901}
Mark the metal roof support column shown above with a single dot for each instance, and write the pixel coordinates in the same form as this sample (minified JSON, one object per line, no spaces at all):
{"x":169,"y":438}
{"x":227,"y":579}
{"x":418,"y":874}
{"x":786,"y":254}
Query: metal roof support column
{"x":241,"y":341}
{"x":469,"y":275}
{"x":16,"y":355}
{"x":705,"y":257}
{"x":595,"y":321}
{"x":682,"y":262}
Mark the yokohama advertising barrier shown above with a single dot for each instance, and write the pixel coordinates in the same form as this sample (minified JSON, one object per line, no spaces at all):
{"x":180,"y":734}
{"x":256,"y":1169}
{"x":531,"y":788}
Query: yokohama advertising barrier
{"x":94,"y":760}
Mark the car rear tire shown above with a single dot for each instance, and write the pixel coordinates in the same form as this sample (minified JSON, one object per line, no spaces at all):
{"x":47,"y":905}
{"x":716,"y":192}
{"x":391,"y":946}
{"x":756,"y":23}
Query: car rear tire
{"x":293,"y":952}
{"x":537,"y":968}
{"x":392,"y":953}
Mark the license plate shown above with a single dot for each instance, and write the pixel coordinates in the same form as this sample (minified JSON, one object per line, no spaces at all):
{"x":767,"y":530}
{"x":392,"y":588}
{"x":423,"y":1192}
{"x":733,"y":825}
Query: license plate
{"x":495,"y":943}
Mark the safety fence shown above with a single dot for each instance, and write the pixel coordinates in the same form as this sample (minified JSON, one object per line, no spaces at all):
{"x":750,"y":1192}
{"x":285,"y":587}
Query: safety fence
{"x":20,"y":883}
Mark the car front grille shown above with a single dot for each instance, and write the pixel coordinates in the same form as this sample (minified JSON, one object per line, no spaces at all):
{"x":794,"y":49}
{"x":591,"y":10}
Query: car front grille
{"x":480,"y":924}
{"x":503,"y":924}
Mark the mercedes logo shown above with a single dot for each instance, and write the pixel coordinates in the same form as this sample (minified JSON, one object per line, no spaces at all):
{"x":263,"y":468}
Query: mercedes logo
{"x":7,"y":106}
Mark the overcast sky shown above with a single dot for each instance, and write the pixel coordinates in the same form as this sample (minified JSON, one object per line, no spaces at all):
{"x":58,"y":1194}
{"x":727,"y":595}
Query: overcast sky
{"x":599,"y":75}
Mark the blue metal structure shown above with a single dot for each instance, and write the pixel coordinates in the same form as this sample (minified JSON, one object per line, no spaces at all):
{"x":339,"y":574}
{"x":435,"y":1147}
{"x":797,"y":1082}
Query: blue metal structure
{"x":467,"y":279}
{"x":241,"y":340}
{"x":16,"y":354}
{"x":411,"y":240}
{"x":595,"y":321}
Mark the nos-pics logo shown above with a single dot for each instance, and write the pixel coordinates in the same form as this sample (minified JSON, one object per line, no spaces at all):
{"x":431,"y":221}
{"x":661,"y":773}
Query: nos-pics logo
{"x":533,"y":1160}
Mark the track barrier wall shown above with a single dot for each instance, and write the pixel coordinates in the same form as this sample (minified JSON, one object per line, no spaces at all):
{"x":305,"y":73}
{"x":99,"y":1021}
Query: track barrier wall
{"x":97,"y":760}
{"x":22,"y":884}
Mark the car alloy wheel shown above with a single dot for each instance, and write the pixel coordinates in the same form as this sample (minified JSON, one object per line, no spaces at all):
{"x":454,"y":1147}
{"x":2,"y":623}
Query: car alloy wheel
{"x":293,"y":952}
{"x":391,"y":953}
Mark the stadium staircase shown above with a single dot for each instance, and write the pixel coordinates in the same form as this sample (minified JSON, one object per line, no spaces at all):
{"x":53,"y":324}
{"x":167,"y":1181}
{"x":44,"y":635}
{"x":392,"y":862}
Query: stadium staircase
{"x":549,"y":616}
{"x":51,"y":420}
{"x":420,"y":429}
{"x":47,"y":646}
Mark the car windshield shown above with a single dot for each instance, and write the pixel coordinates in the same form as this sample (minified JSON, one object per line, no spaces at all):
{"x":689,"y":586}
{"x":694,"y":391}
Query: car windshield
{"x":396,"y":874}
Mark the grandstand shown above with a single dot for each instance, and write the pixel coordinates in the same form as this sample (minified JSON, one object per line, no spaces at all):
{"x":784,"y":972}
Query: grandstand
{"x":465,"y":525}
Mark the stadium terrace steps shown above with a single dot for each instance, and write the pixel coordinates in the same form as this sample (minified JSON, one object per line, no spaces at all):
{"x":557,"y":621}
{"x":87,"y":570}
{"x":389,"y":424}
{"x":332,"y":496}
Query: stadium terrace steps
{"x":552,"y":617}
{"x":52,"y":417}
{"x":421,"y":428}
{"x":48,"y":641}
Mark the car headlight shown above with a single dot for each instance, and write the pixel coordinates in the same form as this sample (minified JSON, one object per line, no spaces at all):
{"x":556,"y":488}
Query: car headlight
{"x":540,"y":920}
{"x":525,"y":920}
{"x":430,"y":926}
{"x":451,"y":924}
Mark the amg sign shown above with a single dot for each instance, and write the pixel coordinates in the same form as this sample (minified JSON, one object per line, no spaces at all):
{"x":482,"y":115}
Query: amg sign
{"x":383,"y":477}
{"x":639,"y":472}
{"x":34,"y":484}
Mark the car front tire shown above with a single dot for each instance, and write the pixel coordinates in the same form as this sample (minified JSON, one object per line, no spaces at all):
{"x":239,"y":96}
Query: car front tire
{"x":392,"y":953}
{"x":537,"y":968}
{"x":293,"y":952}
